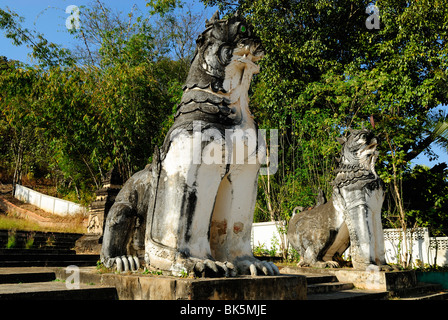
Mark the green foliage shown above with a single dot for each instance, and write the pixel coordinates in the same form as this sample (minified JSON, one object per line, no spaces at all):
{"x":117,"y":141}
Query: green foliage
{"x":79,"y":121}
{"x":47,"y":54}
{"x":425,"y":192}
{"x":29,"y":240}
{"x":325,"y":71}
{"x":163,"y":7}
{"x":11,"y":243}
{"x":74,"y":115}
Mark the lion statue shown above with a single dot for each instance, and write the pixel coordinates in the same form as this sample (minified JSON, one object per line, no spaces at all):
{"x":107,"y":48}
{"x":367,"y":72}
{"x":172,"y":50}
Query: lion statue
{"x":191,"y":210}
{"x":352,"y":217}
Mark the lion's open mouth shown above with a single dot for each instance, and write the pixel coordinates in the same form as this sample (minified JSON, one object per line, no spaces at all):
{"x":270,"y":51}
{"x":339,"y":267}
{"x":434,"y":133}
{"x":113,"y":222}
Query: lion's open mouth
{"x":249,"y":50}
{"x":248,"y":59}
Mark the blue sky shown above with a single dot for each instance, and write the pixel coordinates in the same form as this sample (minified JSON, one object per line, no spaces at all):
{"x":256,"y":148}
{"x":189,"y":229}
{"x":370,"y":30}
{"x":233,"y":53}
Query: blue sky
{"x":48,"y":17}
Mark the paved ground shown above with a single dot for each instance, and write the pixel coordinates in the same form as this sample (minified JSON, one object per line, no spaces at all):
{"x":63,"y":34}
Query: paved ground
{"x":25,"y":270}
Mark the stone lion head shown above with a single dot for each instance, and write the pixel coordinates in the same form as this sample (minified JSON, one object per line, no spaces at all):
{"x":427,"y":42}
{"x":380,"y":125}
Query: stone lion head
{"x":222,"y":42}
{"x":358,"y":157}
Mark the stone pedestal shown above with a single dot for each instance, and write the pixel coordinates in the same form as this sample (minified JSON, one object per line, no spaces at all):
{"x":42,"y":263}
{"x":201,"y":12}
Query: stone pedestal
{"x":365,"y":279}
{"x":138,"y":286}
{"x":105,"y":198}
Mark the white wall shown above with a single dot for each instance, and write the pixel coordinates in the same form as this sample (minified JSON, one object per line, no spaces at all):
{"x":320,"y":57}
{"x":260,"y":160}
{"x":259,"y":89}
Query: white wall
{"x":439,"y":250}
{"x":426,"y":249}
{"x":47,"y":203}
{"x":265,"y":233}
{"x":429,"y":250}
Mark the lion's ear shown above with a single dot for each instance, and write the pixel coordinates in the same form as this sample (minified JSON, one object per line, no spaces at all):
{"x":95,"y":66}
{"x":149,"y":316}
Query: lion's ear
{"x":214,"y":18}
{"x":341,"y":140}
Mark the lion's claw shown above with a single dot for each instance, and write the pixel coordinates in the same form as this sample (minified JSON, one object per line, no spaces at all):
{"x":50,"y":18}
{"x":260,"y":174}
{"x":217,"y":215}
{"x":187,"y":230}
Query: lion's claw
{"x":256,"y":267}
{"x":123,"y":263}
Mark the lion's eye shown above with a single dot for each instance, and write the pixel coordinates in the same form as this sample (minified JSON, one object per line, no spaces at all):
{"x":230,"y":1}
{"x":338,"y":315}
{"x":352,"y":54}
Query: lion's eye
{"x":243,"y":29}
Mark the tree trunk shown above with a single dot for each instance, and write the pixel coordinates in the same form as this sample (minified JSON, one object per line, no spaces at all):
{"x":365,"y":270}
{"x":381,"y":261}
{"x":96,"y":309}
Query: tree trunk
{"x":17,"y":178}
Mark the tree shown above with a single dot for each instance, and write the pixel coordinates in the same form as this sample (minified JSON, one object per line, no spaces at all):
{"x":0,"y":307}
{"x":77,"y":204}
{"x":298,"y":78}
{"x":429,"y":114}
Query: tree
{"x":425,"y":192}
{"x":325,"y":71}
{"x":87,"y":118}
{"x":47,"y":54}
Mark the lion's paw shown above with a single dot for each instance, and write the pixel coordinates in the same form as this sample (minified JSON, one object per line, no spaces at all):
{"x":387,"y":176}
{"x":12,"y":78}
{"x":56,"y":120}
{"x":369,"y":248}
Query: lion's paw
{"x":210,"y":268}
{"x":123,"y":263}
{"x":332,"y":264}
{"x":303,"y":264}
{"x":327,"y":264}
{"x":256,"y":267}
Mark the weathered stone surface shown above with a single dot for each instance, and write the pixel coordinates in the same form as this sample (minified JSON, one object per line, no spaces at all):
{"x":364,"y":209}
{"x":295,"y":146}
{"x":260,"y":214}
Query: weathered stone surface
{"x":137,"y":286}
{"x":105,"y":198}
{"x":98,"y":211}
{"x":364,"y":279}
{"x":351,"y":217}
{"x":192,"y":208}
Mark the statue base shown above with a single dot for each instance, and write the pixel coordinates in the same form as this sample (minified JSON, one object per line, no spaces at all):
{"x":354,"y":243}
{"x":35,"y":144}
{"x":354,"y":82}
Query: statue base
{"x":139,"y":286}
{"x":392,"y":281}
{"x":88,"y":244}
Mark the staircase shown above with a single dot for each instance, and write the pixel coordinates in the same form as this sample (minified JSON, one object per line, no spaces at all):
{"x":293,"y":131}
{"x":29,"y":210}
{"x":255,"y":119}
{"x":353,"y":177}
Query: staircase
{"x":41,"y":284}
{"x":327,"y":287}
{"x":27,"y":274}
{"x":422,"y":291}
{"x":47,"y":249}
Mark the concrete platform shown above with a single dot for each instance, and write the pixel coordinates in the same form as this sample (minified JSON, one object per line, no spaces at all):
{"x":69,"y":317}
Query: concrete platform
{"x":351,"y":294}
{"x":138,"y":286}
{"x":54,"y":291}
{"x":40,"y":283}
{"x":366,"y":280}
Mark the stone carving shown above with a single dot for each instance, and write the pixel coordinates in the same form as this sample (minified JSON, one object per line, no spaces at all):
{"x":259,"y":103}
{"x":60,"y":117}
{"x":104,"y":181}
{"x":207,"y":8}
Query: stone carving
{"x":94,"y":225}
{"x":98,"y":210}
{"x":105,"y":198}
{"x":189,"y":215}
{"x":351,"y":217}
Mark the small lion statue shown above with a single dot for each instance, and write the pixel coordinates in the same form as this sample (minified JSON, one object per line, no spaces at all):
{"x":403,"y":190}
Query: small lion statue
{"x":352,"y":217}
{"x":191,"y":210}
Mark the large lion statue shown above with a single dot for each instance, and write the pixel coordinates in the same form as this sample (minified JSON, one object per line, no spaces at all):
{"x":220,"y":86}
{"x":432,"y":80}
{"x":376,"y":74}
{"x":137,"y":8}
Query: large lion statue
{"x":352,"y":217}
{"x":191,"y":210}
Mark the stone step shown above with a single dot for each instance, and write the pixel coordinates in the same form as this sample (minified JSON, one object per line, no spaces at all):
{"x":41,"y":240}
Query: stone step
{"x":49,"y":257}
{"x":429,"y":296}
{"x":45,"y":257}
{"x":41,"y":284}
{"x":422,"y":291}
{"x":351,"y":294}
{"x":55,"y":291}
{"x":40,"y":251}
{"x":314,"y":279}
{"x":328,"y":287}
{"x":26,"y":277}
{"x":419,"y":288}
{"x":319,"y":289}
{"x":41,"y":235}
{"x":47,"y":263}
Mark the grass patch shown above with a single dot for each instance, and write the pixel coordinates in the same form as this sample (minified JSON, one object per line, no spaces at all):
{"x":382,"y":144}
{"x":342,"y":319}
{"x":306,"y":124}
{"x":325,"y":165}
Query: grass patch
{"x":10,"y":223}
